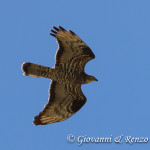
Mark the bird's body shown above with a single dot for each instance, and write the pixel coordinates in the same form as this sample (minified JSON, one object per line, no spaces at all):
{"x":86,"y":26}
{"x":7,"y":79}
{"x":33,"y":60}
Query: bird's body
{"x":67,"y":76}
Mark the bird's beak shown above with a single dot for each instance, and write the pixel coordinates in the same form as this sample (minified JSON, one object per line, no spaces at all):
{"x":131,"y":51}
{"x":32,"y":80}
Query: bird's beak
{"x":96,"y":79}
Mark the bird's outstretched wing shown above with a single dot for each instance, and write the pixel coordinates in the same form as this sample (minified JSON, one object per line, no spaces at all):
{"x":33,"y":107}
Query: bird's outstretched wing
{"x":61,"y":104}
{"x":71,"y":48}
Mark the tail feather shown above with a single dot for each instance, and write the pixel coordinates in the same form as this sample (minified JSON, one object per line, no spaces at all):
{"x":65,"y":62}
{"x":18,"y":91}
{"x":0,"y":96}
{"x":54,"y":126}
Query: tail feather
{"x":35,"y":70}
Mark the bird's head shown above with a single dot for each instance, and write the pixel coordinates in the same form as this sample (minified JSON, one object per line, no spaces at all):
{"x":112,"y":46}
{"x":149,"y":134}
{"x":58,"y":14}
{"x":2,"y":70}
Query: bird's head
{"x":90,"y":78}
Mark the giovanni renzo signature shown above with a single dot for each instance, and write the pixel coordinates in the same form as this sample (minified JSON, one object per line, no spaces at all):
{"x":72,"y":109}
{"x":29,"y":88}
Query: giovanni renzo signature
{"x":80,"y":140}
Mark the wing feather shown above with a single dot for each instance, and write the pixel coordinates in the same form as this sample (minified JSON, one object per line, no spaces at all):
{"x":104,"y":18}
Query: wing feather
{"x":61,"y":104}
{"x":70,"y":47}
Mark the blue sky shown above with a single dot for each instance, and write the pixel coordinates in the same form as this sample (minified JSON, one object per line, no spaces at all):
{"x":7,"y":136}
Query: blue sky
{"x":117,"y":31}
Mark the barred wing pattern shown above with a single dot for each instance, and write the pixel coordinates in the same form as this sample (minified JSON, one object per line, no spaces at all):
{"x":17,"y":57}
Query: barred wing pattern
{"x":71,"y":48}
{"x":63,"y":103}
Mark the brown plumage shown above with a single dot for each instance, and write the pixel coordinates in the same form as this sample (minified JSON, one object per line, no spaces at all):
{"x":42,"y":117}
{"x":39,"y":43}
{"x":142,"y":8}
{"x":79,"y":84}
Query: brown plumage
{"x":67,"y":76}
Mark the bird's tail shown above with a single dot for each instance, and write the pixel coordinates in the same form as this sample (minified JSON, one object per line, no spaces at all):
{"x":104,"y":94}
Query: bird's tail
{"x":35,"y":70}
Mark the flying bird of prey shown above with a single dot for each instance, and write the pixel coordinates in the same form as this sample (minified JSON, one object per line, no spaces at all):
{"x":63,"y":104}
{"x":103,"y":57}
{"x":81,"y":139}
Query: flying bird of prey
{"x":67,"y":76}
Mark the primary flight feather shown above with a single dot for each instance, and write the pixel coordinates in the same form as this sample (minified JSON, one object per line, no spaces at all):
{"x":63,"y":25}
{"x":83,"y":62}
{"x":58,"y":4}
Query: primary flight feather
{"x":67,"y":76}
